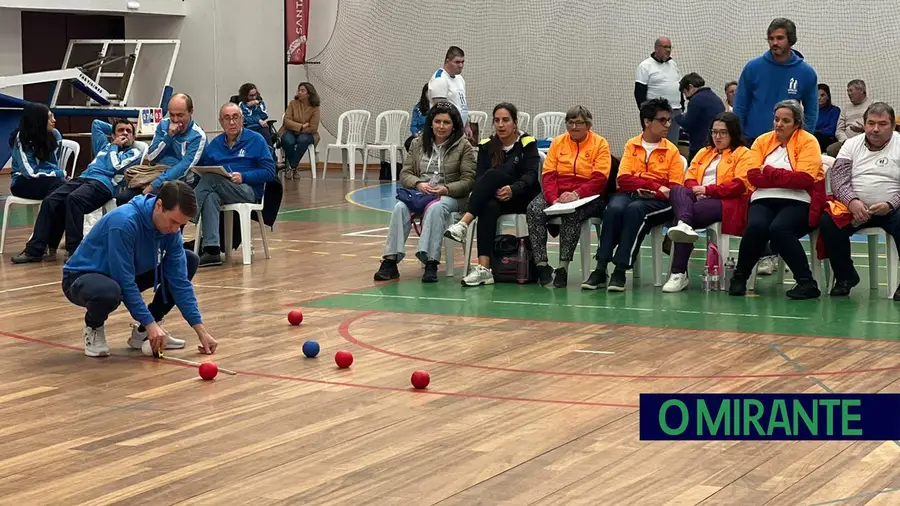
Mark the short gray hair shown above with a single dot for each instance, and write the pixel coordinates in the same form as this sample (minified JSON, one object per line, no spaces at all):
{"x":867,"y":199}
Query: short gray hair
{"x":230,"y":104}
{"x":579,"y":111}
{"x":858,"y":83}
{"x":796,"y":110}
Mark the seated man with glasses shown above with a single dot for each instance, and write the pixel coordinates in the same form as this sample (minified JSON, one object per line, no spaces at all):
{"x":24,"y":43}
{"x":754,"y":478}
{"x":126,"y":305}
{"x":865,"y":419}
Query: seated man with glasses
{"x":650,"y":168}
{"x":246,"y":157}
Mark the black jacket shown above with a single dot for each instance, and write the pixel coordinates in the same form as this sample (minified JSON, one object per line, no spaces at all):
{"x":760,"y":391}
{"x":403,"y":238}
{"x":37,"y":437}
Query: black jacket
{"x":522,"y":162}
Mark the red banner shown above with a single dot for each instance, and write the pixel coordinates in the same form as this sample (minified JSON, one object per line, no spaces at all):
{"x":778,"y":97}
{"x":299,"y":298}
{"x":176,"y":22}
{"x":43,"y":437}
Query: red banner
{"x":297,"y":26}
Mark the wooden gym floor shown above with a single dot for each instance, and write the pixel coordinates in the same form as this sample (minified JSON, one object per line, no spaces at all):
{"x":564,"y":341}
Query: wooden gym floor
{"x":533,"y":398}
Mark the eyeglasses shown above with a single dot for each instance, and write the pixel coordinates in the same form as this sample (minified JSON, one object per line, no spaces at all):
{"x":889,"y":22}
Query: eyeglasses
{"x":719,"y":133}
{"x":231,"y":119}
{"x":664,"y":121}
{"x":575,"y":123}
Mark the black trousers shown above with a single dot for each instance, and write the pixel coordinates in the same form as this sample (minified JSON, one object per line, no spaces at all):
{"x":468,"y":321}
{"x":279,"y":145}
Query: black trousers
{"x":63,"y":211}
{"x":780,"y":222}
{"x":100,"y":295}
{"x":837,"y":242}
{"x":35,"y":189}
{"x":483,"y":204}
{"x":626,"y":221}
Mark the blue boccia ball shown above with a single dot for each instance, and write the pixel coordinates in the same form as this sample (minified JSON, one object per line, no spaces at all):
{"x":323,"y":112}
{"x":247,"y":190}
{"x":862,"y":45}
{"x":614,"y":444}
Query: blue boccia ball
{"x":310,"y":349}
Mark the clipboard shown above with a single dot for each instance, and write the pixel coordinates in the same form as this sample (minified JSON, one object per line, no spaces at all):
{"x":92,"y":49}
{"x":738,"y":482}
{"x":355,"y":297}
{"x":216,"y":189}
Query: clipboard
{"x":212,"y":169}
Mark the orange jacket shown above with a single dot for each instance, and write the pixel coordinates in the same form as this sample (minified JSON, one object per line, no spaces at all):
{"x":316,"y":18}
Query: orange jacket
{"x":664,"y":168}
{"x":731,"y":186}
{"x":805,"y":156}
{"x":582,"y":167}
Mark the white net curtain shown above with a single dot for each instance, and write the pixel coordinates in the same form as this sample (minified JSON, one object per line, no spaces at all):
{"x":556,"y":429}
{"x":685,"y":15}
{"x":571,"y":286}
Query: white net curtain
{"x":547,"y":55}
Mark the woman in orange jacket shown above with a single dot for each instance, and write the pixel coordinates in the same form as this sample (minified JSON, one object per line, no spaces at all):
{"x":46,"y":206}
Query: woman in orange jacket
{"x":715,"y":190}
{"x":787,"y":201}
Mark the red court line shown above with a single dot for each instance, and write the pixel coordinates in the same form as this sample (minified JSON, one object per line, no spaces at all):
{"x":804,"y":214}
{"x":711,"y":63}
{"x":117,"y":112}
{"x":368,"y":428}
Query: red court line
{"x":344,"y":330}
{"x":285,"y":377}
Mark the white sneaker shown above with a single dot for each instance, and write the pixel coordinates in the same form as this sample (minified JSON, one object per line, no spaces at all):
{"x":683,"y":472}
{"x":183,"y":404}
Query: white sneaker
{"x":683,"y":233}
{"x":676,"y":283}
{"x":766,"y":266}
{"x":457,"y":232}
{"x":95,"y":342}
{"x":137,"y":339}
{"x":479,"y":275}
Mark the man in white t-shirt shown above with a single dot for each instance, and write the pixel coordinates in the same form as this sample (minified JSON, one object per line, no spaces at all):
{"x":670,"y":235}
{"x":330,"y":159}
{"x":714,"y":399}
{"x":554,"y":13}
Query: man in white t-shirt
{"x":658,"y":77}
{"x":447,"y":84}
{"x":865,"y":178}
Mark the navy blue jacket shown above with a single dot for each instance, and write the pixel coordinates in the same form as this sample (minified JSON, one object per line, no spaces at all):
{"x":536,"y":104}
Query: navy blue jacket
{"x":703,"y":106}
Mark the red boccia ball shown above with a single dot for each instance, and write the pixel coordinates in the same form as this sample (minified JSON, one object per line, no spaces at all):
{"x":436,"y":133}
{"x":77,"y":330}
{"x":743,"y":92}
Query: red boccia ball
{"x":420,"y":379}
{"x":343,"y":359}
{"x":208,"y":370}
{"x":295,"y":317}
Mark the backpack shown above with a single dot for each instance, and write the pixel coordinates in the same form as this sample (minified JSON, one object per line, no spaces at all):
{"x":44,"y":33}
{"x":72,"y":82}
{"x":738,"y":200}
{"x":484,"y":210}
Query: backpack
{"x":512,"y":260}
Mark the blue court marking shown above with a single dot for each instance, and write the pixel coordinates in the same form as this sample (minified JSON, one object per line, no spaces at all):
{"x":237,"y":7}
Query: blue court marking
{"x":383,"y":197}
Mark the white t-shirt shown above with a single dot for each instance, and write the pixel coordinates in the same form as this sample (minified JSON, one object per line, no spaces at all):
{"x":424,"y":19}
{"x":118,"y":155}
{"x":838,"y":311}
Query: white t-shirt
{"x":453,"y":88}
{"x":709,"y":177}
{"x":875,"y":174}
{"x":648,"y":149}
{"x":661,"y":79}
{"x":779,"y":159}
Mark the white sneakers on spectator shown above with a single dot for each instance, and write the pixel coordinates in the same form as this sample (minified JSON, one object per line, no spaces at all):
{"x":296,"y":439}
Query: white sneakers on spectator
{"x":457,"y":232}
{"x":683,"y":233}
{"x":479,"y":275}
{"x":137,"y":339}
{"x":767,"y":265}
{"x":676,"y":283}
{"x":95,"y":342}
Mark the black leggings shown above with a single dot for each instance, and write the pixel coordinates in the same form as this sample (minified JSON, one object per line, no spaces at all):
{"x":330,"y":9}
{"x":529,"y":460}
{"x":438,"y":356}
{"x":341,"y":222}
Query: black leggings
{"x":483,"y":204}
{"x":781,"y":222}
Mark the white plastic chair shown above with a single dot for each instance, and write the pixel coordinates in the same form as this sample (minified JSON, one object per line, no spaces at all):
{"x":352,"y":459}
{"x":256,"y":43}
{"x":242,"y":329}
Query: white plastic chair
{"x":244,"y":211}
{"x":524,"y":121}
{"x":548,"y":125}
{"x":351,"y":140}
{"x":518,"y":220}
{"x":891,"y":256}
{"x":389,"y":128}
{"x":68,"y":149}
{"x":656,"y":242}
{"x":481,"y":118}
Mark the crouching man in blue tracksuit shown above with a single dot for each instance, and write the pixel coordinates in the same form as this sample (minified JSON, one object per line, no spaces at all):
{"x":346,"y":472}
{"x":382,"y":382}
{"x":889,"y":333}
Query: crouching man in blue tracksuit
{"x":131,"y":249}
{"x":247,"y":158}
{"x":64,"y":209}
{"x":177,"y":146}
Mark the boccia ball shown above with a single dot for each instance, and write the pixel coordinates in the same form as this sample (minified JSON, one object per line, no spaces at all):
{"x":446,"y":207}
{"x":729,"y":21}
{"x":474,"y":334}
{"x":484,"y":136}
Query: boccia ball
{"x":208,"y":370}
{"x":311,"y":349}
{"x":343,"y":359}
{"x":420,"y":379}
{"x":295,"y":317}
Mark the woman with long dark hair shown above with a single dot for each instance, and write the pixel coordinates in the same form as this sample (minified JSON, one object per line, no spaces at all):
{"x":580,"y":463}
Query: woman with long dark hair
{"x":826,"y":125}
{"x":35,"y":164}
{"x":506,"y":181}
{"x":301,"y":126}
{"x":441,"y":166}
{"x":715,"y":190}
{"x":253,"y":107}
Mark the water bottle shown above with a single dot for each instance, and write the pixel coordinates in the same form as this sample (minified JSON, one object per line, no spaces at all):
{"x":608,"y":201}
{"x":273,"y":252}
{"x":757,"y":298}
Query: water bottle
{"x":729,"y":273}
{"x":714,"y":278}
{"x":522,"y":263}
{"x":705,"y":279}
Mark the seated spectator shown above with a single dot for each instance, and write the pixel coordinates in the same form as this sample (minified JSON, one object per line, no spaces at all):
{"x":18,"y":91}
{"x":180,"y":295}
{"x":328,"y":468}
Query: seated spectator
{"x":441,"y":164}
{"x":865,"y":182}
{"x":703,"y":106}
{"x":850,"y":122}
{"x":787,"y":175}
{"x":650,"y":168}
{"x":417,"y":118}
{"x":730,"y":90}
{"x":715,"y":190}
{"x":826,"y":125}
{"x":176,"y":147}
{"x":64,"y":209}
{"x":253,"y":107}
{"x":246,"y":156}
{"x":577,"y":166}
{"x":35,"y":163}
{"x":506,"y":180}
{"x":300,"y":128}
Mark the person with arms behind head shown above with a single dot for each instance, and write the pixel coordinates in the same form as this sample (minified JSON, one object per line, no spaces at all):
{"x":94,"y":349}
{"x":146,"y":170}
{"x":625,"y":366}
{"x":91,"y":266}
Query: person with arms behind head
{"x":35,"y":164}
{"x":131,"y":249}
{"x":64,"y":209}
